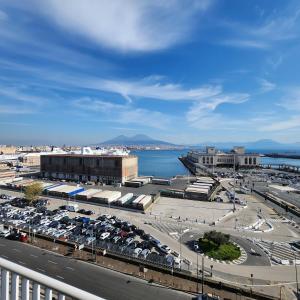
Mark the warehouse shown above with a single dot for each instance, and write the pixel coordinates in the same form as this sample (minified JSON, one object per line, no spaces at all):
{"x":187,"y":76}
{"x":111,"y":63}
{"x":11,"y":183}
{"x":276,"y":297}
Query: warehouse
{"x":108,"y":169}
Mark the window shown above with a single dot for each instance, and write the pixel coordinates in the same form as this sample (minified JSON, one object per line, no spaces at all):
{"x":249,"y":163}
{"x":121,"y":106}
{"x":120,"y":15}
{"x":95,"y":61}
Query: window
{"x":250,"y":160}
{"x":246,"y":160}
{"x":203,"y":159}
{"x":254,"y":160}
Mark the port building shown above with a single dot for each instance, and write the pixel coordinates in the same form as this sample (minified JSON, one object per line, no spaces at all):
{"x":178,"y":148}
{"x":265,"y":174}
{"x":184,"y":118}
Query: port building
{"x":212,"y":157}
{"x":108,"y":169}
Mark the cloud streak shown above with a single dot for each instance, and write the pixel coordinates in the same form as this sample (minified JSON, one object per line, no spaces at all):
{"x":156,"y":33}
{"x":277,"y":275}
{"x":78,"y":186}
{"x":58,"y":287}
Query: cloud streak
{"x":136,"y":25}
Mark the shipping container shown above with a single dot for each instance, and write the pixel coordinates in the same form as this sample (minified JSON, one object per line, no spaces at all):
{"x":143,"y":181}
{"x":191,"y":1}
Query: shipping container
{"x":85,"y":195}
{"x":161,"y":181}
{"x":137,"y":200}
{"x":135,"y":184}
{"x":145,"y":202}
{"x":106,"y":196}
{"x":126,"y":198}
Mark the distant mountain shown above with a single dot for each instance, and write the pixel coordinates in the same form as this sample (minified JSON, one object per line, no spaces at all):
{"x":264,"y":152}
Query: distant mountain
{"x":137,"y":140}
{"x":264,"y":144}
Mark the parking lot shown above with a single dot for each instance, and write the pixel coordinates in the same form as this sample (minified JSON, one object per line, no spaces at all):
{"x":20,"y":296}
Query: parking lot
{"x":102,"y":231}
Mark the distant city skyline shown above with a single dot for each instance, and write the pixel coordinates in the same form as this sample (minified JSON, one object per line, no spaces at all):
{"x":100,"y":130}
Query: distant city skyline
{"x":84,"y":71}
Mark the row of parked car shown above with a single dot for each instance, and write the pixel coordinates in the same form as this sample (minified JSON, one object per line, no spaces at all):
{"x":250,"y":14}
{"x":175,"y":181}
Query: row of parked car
{"x":106,"y":231}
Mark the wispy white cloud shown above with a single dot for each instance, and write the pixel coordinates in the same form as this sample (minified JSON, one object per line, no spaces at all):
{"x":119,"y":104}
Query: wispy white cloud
{"x":123,"y":114}
{"x":277,"y":27}
{"x":146,"y":88}
{"x":243,"y":43}
{"x":266,"y":86}
{"x":3,"y":15}
{"x":136,"y":25}
{"x":15,"y":110}
{"x":291,"y":100}
{"x":289,"y":123}
{"x":21,"y":95}
{"x":202,"y":115}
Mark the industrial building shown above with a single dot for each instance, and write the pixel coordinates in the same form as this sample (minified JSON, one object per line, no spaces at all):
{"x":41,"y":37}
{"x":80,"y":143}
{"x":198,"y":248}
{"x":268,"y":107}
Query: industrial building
{"x":108,"y":169}
{"x":215,"y":158}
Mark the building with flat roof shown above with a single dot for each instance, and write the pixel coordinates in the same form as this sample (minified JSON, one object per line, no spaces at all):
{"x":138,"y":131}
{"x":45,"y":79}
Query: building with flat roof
{"x":212,"y":157}
{"x":108,"y":169}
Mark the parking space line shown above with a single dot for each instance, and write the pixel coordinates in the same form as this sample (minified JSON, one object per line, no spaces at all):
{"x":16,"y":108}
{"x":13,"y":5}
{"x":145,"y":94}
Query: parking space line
{"x":17,"y":250}
{"x":70,"y":268}
{"x":21,"y":262}
{"x":33,"y":255}
{"x":59,"y":277}
{"x":4,"y":256}
{"x":52,"y":262}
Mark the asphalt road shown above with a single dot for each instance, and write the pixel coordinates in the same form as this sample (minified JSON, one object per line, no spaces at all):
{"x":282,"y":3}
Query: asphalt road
{"x":96,"y":280}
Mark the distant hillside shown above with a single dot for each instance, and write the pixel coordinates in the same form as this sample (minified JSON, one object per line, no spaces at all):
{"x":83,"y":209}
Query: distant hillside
{"x":265,"y":144}
{"x":139,"y":139}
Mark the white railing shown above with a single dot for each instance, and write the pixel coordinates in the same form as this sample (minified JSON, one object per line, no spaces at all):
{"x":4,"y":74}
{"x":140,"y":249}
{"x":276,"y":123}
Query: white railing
{"x":50,"y":286}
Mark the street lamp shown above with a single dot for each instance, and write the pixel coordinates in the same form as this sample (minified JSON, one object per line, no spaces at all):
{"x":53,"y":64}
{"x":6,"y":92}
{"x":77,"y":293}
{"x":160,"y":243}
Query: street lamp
{"x":211,"y":268}
{"x":296,"y":273}
{"x":197,"y":274}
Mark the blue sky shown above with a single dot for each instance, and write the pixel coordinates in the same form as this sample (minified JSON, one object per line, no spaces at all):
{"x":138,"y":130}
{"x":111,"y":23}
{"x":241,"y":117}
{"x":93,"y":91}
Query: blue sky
{"x":82,"y":71}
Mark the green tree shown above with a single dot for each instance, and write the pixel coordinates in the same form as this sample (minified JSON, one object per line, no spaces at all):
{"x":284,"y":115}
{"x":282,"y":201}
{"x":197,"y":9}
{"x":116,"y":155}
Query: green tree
{"x":32,"y":192}
{"x":218,"y":238}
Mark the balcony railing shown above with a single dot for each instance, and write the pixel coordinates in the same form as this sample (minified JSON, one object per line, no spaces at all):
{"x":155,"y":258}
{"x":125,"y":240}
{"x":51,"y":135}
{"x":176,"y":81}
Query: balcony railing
{"x":29,"y":284}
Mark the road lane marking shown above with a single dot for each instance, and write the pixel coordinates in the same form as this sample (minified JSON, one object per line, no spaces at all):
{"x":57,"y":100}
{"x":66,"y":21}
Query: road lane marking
{"x":4,"y":256}
{"x":33,"y":255}
{"x":70,"y":268}
{"x":41,"y":270}
{"x":52,"y":262}
{"x":21,"y":262}
{"x":59,"y":277}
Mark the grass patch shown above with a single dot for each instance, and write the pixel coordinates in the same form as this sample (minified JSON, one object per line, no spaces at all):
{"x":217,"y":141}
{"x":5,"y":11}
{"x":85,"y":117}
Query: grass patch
{"x":224,"y":251}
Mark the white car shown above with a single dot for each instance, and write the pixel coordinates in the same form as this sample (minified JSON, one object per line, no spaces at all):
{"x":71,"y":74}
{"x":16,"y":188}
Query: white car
{"x":137,"y":251}
{"x":145,"y":253}
{"x":104,"y":235}
{"x":89,"y":240}
{"x":5,"y":233}
{"x":164,"y":248}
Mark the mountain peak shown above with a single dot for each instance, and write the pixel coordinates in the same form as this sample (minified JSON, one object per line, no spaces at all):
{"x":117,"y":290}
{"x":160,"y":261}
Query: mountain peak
{"x":138,"y":139}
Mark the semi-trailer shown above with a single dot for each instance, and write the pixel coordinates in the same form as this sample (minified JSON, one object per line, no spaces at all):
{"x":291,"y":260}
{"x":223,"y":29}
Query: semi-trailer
{"x":137,"y":200}
{"x":126,"y":198}
{"x":145,"y":203}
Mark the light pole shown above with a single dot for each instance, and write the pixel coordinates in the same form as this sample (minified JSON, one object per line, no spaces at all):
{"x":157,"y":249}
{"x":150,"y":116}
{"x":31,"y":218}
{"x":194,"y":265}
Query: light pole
{"x":234,"y":182}
{"x":202,"y":283}
{"x":296,"y":273}
{"x":197,"y":274}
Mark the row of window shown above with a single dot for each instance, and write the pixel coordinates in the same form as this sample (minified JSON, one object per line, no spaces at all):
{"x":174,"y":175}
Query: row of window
{"x":250,"y":161}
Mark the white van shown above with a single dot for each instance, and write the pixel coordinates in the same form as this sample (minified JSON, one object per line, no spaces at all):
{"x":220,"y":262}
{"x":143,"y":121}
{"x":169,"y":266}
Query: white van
{"x":72,"y":207}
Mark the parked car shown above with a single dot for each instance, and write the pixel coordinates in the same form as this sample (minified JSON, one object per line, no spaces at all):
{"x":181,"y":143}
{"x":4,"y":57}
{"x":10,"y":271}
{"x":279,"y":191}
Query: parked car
{"x":104,"y":235}
{"x":137,"y":251}
{"x":164,"y":248}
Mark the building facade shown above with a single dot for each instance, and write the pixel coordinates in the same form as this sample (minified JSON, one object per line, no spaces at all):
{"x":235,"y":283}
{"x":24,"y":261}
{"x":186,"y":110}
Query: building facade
{"x":108,"y":169}
{"x":213,"y":158}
